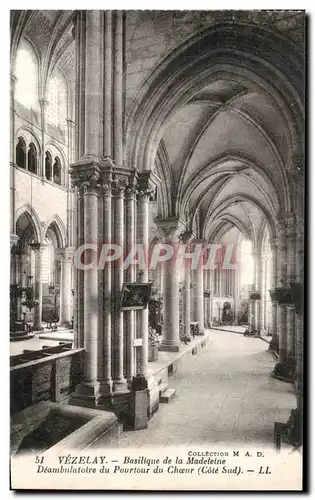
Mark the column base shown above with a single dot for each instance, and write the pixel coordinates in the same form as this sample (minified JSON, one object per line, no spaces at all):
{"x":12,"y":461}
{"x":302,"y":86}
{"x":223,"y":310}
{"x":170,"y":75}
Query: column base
{"x":252,"y":333}
{"x":86,"y":394}
{"x":120,"y":386}
{"x":39,"y":328}
{"x":164,"y":346}
{"x":66,"y":324}
{"x":285,"y":371}
{"x":106,"y":387}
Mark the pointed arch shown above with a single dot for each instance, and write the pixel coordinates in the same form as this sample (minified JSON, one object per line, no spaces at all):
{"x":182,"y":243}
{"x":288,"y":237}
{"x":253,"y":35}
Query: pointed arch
{"x":34,"y":219}
{"x":56,"y":224}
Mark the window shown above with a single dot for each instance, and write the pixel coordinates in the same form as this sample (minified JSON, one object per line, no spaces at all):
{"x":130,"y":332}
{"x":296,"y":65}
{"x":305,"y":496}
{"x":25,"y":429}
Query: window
{"x":247,"y":263}
{"x":57,"y":102}
{"x":20,"y":153}
{"x":26,"y":72}
{"x":48,"y":166}
{"x":32,"y":158}
{"x":57,"y":171}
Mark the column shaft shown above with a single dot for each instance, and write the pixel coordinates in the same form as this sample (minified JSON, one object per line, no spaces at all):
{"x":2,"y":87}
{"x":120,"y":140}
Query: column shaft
{"x":91,"y":289}
{"x":118,"y":88}
{"x":170,"y":340}
{"x":107,"y":294}
{"x":38,"y":287}
{"x":143,"y":238}
{"x":130,"y":277}
{"x":118,"y":351}
{"x":108,"y":76}
{"x":65,"y":286}
{"x":274,"y":272}
{"x":187,"y":302}
{"x":281,"y":322}
{"x":94,"y":83}
{"x":200,"y":300}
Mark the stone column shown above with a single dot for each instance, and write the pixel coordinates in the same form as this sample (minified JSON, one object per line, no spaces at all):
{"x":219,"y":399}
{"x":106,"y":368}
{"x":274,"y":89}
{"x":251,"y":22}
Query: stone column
{"x":78,"y":327}
{"x":38,"y":285}
{"x":200,"y":298}
{"x":170,"y":230}
{"x":91,"y":287}
{"x":144,"y":192}
{"x":65,"y":255}
{"x":291,"y":244}
{"x":107,"y":382}
{"x":299,"y":320}
{"x":205,"y":300}
{"x":119,"y":380}
{"x":186,"y":301}
{"x":281,"y":321}
{"x":130,"y":277}
{"x":43,"y":106}
{"x":93,"y":144}
{"x":212,"y":289}
{"x":118,"y":88}
{"x":282,"y":271}
{"x":108,"y":84}
{"x":260,"y":289}
{"x":274,"y":343}
{"x":255,"y":304}
{"x":86,"y":176}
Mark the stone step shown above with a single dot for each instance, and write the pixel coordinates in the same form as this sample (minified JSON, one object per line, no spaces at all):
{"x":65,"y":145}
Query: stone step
{"x":167,"y":396}
{"x":162,"y":388}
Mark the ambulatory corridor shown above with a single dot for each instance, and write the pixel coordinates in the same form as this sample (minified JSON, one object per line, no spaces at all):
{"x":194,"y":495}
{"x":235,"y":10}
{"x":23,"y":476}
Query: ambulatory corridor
{"x":224,"y":395}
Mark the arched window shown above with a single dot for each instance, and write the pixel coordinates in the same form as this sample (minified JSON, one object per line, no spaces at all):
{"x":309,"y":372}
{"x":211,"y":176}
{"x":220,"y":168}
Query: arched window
{"x":57,"y":171}
{"x":20,"y":153}
{"x":48,"y":166}
{"x":26,"y":72}
{"x":32,"y":158}
{"x":57,"y":101}
{"x":247,"y":263}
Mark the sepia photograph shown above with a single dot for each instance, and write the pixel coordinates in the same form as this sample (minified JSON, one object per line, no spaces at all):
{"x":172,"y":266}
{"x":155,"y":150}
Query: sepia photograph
{"x":157,"y":222}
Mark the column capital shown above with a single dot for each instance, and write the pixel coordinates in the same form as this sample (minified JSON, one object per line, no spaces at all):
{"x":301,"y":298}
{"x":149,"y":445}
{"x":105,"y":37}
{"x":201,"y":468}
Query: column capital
{"x":85,"y":173}
{"x":170,"y":228}
{"x":273,"y":242}
{"x":65,"y":254}
{"x":43,"y":103}
{"x":14,"y":238}
{"x":146,"y":185}
{"x":119,"y":186}
{"x":38,"y":246}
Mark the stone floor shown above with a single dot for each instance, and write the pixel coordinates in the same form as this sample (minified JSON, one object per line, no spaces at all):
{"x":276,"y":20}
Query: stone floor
{"x":233,"y":328}
{"x":224,"y":395}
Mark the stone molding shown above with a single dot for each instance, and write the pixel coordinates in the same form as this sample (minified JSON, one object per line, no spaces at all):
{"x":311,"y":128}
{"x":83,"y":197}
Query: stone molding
{"x":91,"y":174}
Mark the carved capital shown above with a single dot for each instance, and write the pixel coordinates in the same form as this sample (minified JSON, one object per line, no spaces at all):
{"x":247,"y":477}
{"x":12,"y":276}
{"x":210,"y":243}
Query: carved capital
{"x":146,"y":186}
{"x":106,"y":180}
{"x":14,"y":238}
{"x":118,"y":187}
{"x":273,"y":242}
{"x":171,"y":228}
{"x":85,"y":175}
{"x":65,"y":254}
{"x":38,"y":246}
